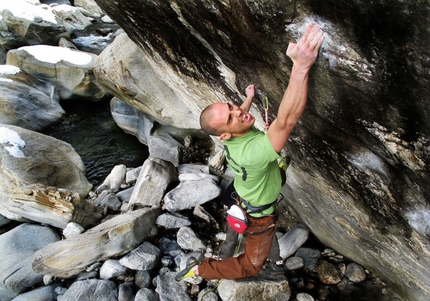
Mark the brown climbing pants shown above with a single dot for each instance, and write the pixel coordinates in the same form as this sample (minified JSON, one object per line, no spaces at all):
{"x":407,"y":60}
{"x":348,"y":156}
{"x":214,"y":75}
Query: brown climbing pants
{"x":258,"y":241}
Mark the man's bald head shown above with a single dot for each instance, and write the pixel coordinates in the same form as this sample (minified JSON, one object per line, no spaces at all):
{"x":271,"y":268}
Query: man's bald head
{"x":205,"y":121}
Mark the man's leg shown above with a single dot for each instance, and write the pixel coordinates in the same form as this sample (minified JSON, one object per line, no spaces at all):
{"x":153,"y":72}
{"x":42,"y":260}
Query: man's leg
{"x":258,"y":241}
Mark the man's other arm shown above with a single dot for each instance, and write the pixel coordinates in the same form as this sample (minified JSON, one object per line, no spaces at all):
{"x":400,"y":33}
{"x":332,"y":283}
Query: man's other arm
{"x":250,"y":93}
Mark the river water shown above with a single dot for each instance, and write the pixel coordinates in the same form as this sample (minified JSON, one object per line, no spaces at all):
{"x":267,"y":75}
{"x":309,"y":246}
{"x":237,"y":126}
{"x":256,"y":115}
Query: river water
{"x":91,"y":130}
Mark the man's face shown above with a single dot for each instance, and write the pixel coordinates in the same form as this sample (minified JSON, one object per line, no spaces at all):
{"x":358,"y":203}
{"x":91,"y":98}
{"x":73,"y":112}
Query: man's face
{"x":230,"y":118}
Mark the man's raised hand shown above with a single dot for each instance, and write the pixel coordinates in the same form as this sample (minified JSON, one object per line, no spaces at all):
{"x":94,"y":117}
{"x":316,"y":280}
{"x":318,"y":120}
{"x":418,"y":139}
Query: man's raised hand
{"x":304,"y":53}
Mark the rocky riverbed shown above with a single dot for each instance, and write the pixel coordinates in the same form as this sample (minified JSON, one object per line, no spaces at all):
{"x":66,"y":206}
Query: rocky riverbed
{"x":134,"y":254}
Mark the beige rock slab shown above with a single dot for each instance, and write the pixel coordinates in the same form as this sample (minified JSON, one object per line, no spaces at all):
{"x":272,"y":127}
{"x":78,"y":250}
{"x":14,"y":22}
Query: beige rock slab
{"x":115,"y":237}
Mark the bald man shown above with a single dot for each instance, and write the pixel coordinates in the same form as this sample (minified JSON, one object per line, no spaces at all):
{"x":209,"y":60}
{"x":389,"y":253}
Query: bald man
{"x":253,"y":157}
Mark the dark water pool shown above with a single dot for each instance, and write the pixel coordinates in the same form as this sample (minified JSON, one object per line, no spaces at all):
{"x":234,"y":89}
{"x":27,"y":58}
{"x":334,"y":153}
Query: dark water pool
{"x":91,"y":130}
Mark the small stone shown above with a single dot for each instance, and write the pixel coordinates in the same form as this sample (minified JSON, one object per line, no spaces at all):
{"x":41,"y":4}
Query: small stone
{"x":304,"y":297}
{"x":112,"y":268}
{"x":310,"y":257}
{"x":48,"y":279}
{"x":294,"y":263}
{"x":292,"y":240}
{"x":328,"y":273}
{"x":72,"y":229}
{"x":144,"y":257}
{"x":355,"y":273}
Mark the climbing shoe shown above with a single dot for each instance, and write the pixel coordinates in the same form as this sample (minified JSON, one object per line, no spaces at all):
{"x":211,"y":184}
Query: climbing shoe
{"x":285,"y":162}
{"x":188,"y":271}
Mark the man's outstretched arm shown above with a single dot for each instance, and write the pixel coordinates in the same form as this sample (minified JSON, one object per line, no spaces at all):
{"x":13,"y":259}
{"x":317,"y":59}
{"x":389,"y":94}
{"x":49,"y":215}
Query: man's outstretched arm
{"x":303,"y":54}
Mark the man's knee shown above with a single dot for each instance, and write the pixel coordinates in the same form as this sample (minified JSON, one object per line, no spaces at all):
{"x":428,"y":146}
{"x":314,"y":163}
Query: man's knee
{"x":253,"y":270}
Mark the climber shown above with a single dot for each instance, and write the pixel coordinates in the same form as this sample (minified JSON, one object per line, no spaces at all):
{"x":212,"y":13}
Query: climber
{"x":253,"y":157}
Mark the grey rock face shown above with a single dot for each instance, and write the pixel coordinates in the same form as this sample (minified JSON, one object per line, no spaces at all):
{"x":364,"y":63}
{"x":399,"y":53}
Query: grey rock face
{"x":17,"y":248}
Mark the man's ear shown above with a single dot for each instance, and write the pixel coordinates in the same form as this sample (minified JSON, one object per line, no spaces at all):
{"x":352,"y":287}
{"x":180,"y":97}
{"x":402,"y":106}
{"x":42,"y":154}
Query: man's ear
{"x":225,"y":136}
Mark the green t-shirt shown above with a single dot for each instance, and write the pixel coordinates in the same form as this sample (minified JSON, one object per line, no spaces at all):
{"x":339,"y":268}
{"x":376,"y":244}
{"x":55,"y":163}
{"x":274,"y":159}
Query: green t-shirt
{"x":254,"y":163}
